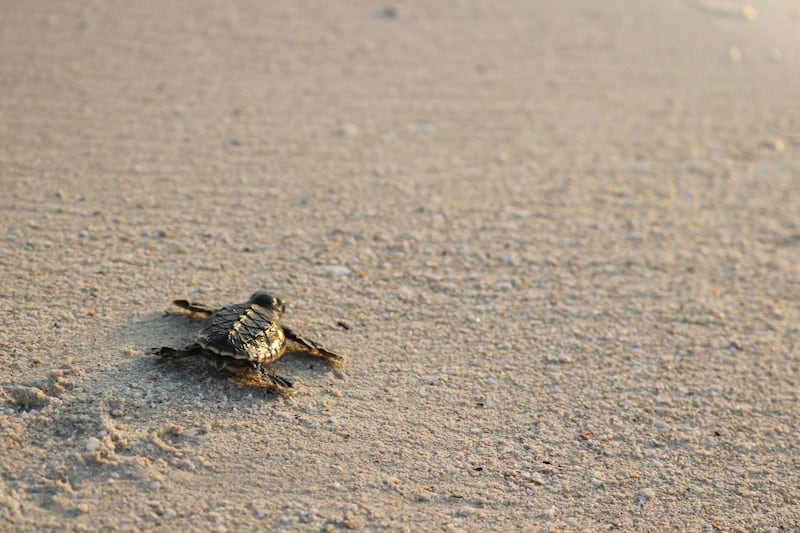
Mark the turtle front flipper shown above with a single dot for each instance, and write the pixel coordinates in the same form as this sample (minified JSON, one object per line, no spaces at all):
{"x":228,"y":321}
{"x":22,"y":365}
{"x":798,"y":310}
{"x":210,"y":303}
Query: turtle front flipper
{"x":314,"y":348}
{"x":194,"y":307}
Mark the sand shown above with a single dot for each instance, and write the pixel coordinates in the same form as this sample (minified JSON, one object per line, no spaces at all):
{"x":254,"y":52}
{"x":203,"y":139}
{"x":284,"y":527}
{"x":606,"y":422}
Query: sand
{"x":558,"y":243}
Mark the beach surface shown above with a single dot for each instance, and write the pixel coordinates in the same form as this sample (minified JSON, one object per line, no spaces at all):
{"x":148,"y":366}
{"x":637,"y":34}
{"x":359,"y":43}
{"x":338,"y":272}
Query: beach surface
{"x":558,"y":244}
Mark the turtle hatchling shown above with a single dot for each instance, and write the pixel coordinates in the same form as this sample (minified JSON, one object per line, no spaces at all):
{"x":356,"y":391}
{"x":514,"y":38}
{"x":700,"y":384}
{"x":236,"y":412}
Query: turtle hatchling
{"x":246,"y":336}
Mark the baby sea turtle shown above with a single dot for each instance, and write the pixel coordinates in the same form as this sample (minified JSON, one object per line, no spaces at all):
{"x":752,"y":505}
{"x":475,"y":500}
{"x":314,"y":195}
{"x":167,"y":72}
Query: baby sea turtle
{"x":246,"y":336}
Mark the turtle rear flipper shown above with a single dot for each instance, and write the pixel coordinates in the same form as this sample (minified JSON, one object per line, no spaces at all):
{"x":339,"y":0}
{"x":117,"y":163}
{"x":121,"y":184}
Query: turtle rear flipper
{"x":174,"y":353}
{"x":276,"y":380}
{"x":313,"y":347}
{"x":193,"y":307}
{"x":263,"y":379}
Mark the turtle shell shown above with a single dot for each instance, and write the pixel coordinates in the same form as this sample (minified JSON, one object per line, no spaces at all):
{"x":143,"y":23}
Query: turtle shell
{"x":247,"y":331}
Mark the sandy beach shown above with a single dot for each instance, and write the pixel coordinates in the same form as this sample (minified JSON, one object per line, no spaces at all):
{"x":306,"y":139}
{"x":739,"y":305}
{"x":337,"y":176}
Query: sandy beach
{"x":558,"y":244}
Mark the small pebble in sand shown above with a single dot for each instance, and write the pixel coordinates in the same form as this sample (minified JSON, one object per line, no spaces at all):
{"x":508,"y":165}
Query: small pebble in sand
{"x":645,"y":495}
{"x":749,"y":12}
{"x":337,"y":271}
{"x":406,"y":293}
{"x":425,"y":127}
{"x":389,"y":12}
{"x":348,"y":130}
{"x":92,"y":444}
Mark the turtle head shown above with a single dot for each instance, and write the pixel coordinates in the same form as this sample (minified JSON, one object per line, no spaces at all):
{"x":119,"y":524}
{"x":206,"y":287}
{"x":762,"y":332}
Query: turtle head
{"x":267,"y":301}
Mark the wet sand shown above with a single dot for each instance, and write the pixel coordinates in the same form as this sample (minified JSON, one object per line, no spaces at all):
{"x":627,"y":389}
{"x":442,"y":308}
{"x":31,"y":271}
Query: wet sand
{"x":558,"y":244}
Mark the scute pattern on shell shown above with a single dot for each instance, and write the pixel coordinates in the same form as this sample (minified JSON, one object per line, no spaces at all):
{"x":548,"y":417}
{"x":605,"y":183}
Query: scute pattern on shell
{"x":245,"y":331}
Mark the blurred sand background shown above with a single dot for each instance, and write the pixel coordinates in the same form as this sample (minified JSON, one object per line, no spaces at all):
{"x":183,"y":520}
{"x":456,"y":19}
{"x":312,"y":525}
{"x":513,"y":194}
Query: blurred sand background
{"x":557,"y":241}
